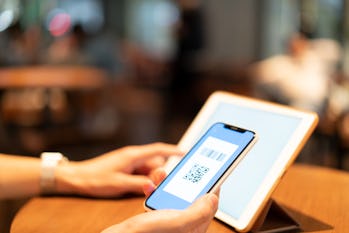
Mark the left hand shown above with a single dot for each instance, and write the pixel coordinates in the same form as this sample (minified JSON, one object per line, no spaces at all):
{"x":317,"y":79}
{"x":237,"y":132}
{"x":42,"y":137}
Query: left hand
{"x":114,"y":173}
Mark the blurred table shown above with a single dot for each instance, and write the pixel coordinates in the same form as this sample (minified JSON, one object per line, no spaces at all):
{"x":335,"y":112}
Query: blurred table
{"x":67,"y":77}
{"x":47,"y":105}
{"x":316,"y":197}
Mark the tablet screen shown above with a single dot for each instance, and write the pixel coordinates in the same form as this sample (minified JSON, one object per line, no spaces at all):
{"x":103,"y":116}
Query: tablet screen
{"x":274,"y":132}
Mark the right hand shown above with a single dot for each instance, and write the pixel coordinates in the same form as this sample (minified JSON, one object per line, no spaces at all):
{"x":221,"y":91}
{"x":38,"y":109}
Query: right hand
{"x":195,"y":219}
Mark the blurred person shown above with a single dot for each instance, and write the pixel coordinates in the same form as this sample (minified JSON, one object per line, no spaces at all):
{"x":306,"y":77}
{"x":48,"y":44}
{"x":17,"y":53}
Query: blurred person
{"x":68,"y":48}
{"x":129,"y":169}
{"x":189,"y":34}
{"x":21,"y":46}
{"x":300,"y":78}
{"x":104,"y":51}
{"x":78,"y":47}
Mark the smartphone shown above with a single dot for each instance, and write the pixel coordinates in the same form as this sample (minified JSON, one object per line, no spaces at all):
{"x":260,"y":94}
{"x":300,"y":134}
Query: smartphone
{"x":204,"y":168}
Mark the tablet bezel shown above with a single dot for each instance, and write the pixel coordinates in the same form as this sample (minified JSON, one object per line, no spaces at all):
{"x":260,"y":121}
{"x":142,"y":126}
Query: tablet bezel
{"x":307,"y":125}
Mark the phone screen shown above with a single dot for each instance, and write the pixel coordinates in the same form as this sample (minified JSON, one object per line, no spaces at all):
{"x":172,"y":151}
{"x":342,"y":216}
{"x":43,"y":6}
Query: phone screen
{"x":201,"y":168}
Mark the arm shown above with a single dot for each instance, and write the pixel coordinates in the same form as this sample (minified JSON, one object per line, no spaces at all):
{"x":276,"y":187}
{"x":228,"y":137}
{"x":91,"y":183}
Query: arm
{"x":111,"y":174}
{"x":19,"y":176}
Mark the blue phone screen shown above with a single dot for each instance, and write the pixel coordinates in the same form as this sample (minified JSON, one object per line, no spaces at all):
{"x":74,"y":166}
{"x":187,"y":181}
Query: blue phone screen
{"x":201,"y":167}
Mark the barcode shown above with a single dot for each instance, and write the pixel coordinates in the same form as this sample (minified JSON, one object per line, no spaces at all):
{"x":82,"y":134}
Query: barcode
{"x":213,"y":154}
{"x":195,"y":173}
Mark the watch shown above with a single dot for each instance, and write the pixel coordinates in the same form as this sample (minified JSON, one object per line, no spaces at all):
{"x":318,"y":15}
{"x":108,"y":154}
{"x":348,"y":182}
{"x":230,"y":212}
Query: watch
{"x":49,"y":161}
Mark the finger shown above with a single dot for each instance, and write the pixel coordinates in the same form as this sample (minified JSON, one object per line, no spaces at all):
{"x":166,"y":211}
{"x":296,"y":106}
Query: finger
{"x":150,"y":165}
{"x":148,"y":188}
{"x":203,"y":209}
{"x":207,"y":203}
{"x":134,"y":183}
{"x":142,"y":153}
{"x":158,"y":175}
{"x":155,"y":162}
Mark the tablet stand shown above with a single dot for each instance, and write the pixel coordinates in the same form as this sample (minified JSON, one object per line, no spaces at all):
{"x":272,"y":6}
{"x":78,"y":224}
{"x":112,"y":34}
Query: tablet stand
{"x":275,"y":219}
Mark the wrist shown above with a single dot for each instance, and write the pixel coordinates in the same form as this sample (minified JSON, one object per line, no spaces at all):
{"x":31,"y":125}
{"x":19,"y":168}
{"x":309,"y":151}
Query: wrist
{"x":68,"y":180}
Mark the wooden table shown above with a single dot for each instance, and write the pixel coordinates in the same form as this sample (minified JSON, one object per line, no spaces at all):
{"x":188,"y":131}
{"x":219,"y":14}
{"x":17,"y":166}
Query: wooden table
{"x":59,"y":76}
{"x":316,"y":197}
{"x":42,"y":104}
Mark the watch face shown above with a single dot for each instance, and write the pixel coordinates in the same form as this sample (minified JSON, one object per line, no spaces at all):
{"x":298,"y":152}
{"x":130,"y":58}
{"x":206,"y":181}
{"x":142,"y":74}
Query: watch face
{"x":49,"y":161}
{"x":52,"y":156}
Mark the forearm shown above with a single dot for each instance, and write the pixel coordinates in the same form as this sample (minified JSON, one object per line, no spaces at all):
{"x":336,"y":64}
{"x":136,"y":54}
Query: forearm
{"x":19,"y":176}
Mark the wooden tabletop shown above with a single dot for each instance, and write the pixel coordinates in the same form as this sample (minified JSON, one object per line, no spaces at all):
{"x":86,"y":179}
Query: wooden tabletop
{"x":64,"y":76}
{"x":316,"y":197}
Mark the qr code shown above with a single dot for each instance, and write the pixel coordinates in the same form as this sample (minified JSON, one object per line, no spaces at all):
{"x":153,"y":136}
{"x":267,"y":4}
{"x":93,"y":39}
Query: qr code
{"x":195,"y":173}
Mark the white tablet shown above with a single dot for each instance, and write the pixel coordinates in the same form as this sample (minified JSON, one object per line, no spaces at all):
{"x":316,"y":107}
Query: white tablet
{"x":282,"y":133}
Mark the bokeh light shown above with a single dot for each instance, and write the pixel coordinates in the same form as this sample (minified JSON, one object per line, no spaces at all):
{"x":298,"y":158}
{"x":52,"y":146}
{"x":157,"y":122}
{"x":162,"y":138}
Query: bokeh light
{"x":59,"y":22}
{"x":6,"y":19}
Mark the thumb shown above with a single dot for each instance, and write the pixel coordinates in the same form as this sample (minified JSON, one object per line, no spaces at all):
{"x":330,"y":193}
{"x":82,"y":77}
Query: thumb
{"x":204,"y":208}
{"x":209,"y":200}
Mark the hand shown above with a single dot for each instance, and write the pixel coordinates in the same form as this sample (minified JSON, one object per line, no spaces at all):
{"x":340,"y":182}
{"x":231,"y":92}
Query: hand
{"x":195,"y":219}
{"x":118,"y":172}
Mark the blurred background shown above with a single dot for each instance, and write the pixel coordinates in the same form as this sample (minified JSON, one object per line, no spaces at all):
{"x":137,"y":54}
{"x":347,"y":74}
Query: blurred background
{"x":87,"y":76}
